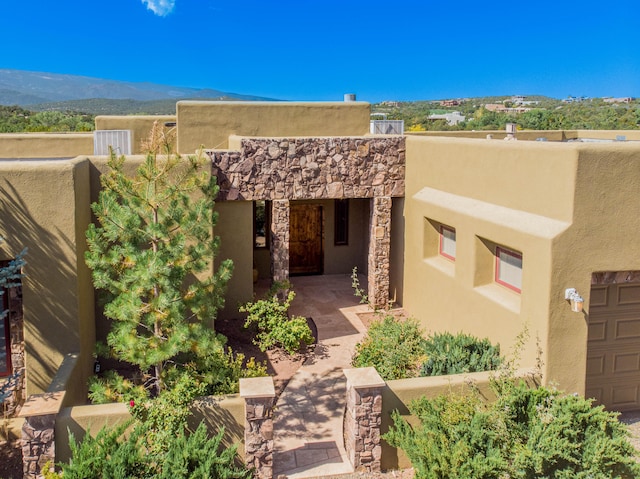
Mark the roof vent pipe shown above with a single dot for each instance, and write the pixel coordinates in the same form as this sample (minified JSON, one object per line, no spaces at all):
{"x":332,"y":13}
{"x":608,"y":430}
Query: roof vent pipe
{"x":349,"y":97}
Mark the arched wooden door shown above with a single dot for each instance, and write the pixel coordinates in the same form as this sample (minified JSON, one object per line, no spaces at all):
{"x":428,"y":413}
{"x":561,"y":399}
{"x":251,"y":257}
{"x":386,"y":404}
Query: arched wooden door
{"x":306,"y":249}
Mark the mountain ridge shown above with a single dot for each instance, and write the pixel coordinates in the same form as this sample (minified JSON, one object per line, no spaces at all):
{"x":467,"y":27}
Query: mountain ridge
{"x":26,"y":88}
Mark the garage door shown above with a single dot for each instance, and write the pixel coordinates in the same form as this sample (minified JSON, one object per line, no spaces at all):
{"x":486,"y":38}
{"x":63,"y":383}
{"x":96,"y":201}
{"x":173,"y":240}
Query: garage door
{"x":613,"y":350}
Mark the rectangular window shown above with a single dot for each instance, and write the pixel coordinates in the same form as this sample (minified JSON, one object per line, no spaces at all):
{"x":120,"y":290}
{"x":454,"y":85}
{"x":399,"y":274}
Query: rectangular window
{"x":261,"y":223}
{"x":341,"y":232}
{"x":448,"y":242}
{"x":509,"y":268}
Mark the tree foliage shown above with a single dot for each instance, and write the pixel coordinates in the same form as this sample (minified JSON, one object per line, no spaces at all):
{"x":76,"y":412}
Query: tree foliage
{"x":546,"y":114}
{"x":151,"y":253}
{"x":14,"y":119}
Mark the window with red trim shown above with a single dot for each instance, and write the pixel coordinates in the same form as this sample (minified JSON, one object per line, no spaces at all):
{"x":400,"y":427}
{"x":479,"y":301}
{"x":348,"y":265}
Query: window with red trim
{"x":448,"y":242}
{"x":509,"y":268}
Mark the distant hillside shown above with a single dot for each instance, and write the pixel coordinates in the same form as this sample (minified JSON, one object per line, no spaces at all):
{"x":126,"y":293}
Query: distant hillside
{"x":47,"y":90}
{"x":102,"y":106}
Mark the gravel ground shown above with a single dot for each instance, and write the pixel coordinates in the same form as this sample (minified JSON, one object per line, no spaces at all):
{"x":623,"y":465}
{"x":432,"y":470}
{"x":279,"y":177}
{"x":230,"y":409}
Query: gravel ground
{"x":632,"y":420}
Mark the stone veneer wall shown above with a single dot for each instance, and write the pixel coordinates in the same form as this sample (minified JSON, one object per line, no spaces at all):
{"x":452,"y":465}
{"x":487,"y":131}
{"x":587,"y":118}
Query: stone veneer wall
{"x":279,"y":240}
{"x":379,"y":252}
{"x":363,"y":418}
{"x":16,"y":332}
{"x":311,"y":168}
{"x":38,"y":444}
{"x":260,"y":396}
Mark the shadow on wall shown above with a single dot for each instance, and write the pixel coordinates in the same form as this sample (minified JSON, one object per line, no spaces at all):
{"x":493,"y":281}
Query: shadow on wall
{"x":47,"y":287}
{"x":217,"y":412}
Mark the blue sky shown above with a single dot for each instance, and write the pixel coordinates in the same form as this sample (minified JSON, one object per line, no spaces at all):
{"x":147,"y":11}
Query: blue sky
{"x":319,"y":50}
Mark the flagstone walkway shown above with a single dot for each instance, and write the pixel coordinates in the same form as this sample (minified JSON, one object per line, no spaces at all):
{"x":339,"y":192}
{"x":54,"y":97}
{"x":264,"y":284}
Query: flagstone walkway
{"x":308,"y":436}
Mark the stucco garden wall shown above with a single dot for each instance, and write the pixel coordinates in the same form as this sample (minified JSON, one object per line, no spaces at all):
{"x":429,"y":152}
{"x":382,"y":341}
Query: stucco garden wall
{"x":532,"y":135}
{"x":398,"y":394}
{"x":45,"y":145}
{"x":215,"y":411}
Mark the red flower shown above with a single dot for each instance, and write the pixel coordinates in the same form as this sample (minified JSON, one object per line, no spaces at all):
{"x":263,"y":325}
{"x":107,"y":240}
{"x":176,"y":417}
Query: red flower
{"x":131,"y":403}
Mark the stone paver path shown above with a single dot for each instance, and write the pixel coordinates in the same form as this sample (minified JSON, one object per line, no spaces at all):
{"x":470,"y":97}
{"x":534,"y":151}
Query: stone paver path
{"x":308,"y":437}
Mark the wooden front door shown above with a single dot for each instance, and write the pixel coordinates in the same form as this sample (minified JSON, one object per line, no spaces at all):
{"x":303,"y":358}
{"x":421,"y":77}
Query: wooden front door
{"x":306,"y":255}
{"x":613,"y":349}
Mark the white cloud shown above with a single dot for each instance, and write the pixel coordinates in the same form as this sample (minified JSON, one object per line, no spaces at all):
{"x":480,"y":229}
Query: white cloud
{"x":162,"y":8}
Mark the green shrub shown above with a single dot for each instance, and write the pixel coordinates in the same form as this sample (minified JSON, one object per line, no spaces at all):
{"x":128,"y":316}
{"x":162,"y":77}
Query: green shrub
{"x":394,"y":347}
{"x":275,"y":327}
{"x":525,"y":433}
{"x":216,"y":370}
{"x":460,"y":353}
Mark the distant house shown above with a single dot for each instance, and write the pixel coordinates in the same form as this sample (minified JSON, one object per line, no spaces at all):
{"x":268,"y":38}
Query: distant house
{"x":626,"y":99}
{"x":500,"y":108}
{"x":452,"y":118}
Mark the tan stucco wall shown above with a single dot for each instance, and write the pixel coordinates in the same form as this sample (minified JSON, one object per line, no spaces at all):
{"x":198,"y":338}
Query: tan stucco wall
{"x":209,"y":124}
{"x":215,"y":411}
{"x":532,"y":135}
{"x":45,"y":145}
{"x":517,"y":197}
{"x":45,"y":208}
{"x":140,"y":126}
{"x":630,"y":135}
{"x":528,"y":135}
{"x":396,"y":258}
{"x":567,"y":207}
{"x":603,"y":237}
{"x":235,"y":229}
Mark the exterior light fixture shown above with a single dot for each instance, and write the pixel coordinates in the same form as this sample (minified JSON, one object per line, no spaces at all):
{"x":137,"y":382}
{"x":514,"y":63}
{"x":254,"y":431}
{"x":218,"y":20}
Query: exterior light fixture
{"x":577,"y":301}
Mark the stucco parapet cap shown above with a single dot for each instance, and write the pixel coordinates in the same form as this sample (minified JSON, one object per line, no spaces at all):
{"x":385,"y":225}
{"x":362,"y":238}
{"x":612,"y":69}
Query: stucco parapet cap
{"x":528,"y":223}
{"x":42,"y":404}
{"x":361,"y":378}
{"x":276,"y":104}
{"x":257,"y":387}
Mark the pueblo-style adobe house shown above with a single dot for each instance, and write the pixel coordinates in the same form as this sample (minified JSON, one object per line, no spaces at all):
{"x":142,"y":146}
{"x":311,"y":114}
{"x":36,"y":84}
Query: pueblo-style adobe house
{"x":467,"y":233}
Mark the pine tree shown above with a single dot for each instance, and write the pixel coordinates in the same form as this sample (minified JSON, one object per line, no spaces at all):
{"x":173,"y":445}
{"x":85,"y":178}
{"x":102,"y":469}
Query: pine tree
{"x":152,"y":253}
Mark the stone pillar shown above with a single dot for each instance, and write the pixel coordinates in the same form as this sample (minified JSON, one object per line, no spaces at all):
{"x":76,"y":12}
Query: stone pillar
{"x":280,"y":240}
{"x":38,"y":432}
{"x":259,"y":395}
{"x":379,"y":251}
{"x":363,"y":418}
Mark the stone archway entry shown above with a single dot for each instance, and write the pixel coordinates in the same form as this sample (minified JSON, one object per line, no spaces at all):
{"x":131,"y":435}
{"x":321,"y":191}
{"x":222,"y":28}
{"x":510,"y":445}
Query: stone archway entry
{"x":613,"y":347}
{"x":306,"y":245}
